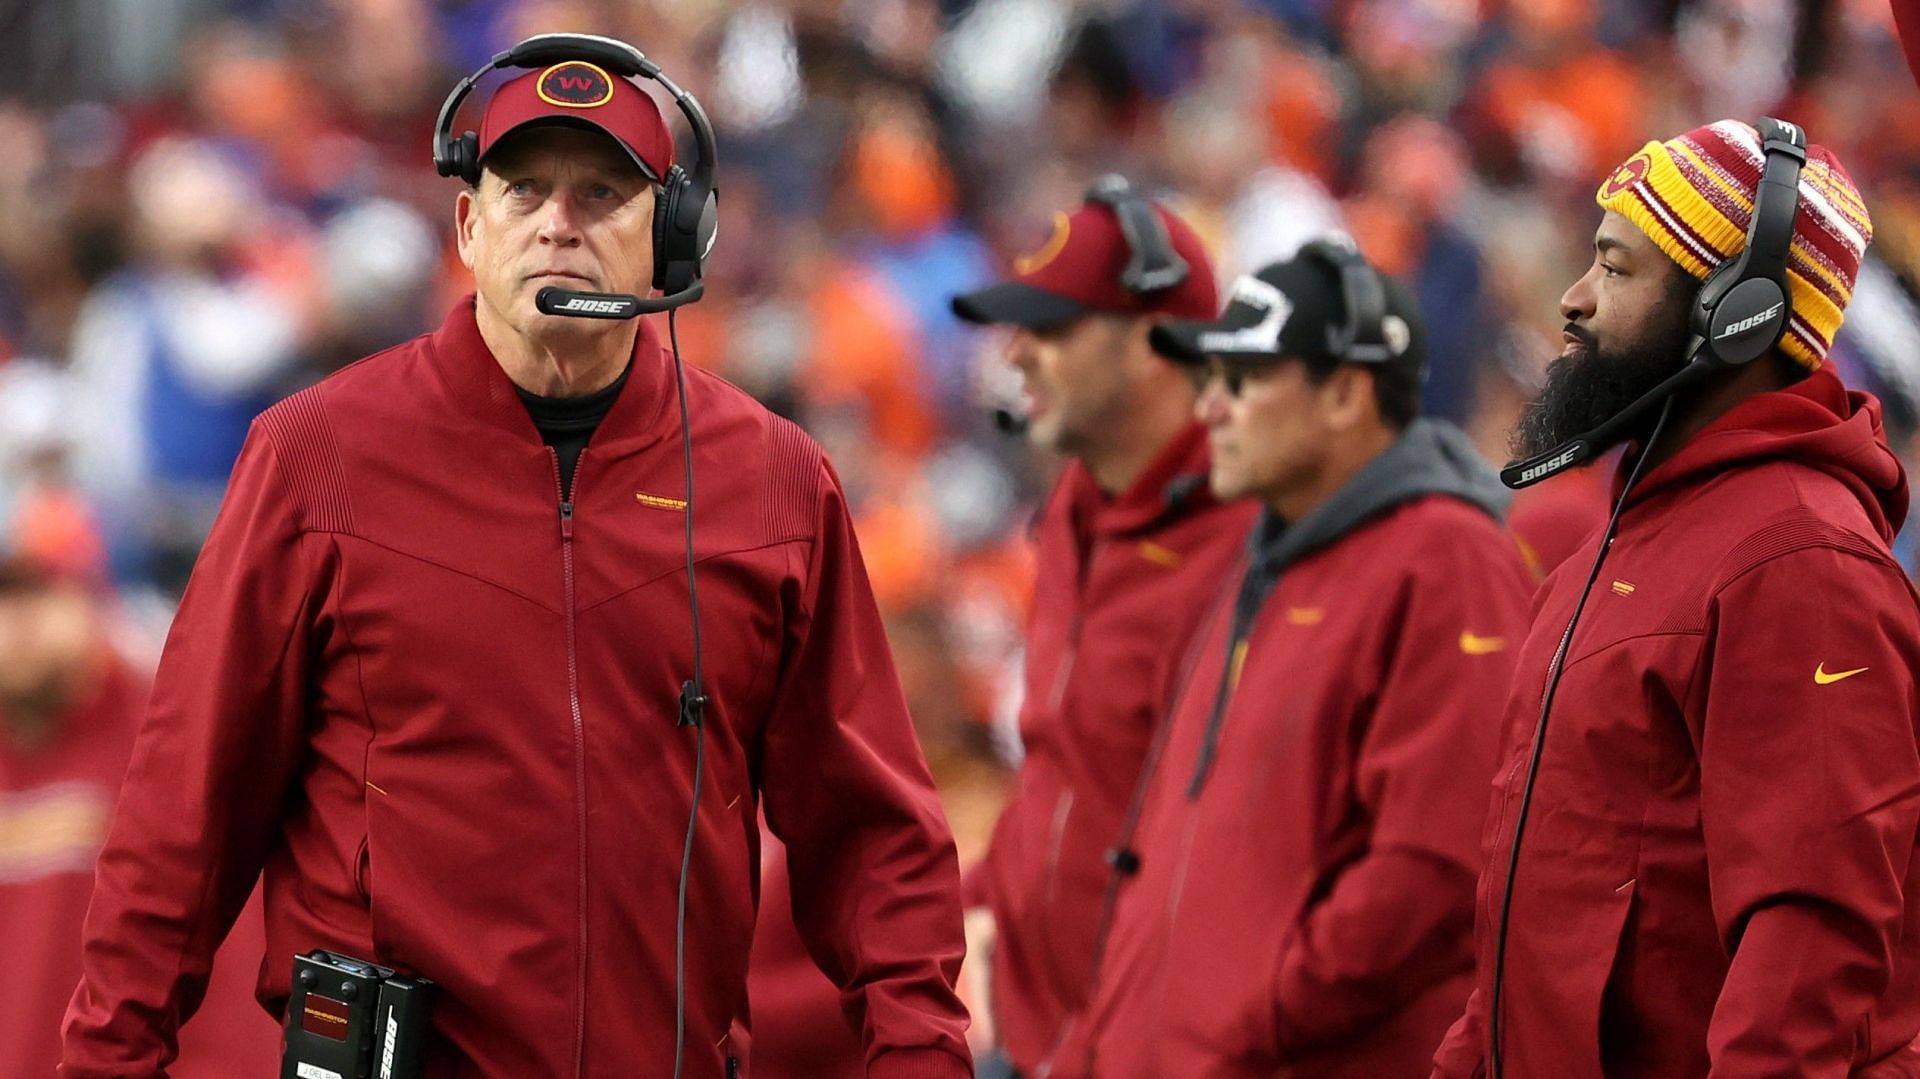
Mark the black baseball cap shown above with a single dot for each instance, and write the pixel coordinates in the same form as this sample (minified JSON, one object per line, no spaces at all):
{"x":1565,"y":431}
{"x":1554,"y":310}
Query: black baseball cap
{"x":1298,"y":309}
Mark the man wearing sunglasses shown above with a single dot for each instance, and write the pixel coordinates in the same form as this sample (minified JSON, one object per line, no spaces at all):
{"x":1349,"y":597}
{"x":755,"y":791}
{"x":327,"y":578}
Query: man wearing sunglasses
{"x":1306,"y":856}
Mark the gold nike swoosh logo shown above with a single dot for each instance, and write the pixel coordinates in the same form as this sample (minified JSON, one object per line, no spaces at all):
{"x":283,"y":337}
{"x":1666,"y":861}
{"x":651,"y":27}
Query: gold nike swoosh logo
{"x":1158,"y":555}
{"x":1475,"y":645}
{"x":1822,"y":678}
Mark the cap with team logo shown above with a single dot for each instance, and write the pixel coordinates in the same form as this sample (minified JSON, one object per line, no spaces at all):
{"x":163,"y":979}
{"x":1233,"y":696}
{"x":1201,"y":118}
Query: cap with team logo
{"x":575,"y":93}
{"x":1078,"y":270}
{"x":1296,"y":309}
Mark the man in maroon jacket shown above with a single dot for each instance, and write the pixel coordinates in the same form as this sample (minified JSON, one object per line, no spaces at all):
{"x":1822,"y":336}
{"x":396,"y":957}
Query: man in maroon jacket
{"x":1716,"y":876}
{"x":68,"y":703}
{"x":1131,"y":546}
{"x":427,"y":670}
{"x":1303,"y":898}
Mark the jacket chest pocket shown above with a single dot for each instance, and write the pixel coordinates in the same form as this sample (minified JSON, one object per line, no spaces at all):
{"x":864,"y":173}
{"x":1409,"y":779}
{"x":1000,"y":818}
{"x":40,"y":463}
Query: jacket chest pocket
{"x":1609,"y":745}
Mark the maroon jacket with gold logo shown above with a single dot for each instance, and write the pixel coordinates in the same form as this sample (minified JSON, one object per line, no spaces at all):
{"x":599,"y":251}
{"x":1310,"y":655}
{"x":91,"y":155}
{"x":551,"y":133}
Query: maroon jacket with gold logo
{"x":441,"y":712}
{"x":1308,"y":850}
{"x":1717,"y":875}
{"x":1120,"y":585}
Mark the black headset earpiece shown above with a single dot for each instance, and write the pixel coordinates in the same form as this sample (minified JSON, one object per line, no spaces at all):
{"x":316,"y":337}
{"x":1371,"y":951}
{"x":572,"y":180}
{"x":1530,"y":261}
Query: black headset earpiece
{"x":1153,"y":265}
{"x":1362,"y":335}
{"x":463,"y":154}
{"x":664,"y":204}
{"x":686,"y":210}
{"x":1744,"y":305}
{"x":685,"y":219}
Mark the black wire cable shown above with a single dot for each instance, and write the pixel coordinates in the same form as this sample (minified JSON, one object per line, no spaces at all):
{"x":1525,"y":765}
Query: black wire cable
{"x":1555,"y":669}
{"x":693,"y":703}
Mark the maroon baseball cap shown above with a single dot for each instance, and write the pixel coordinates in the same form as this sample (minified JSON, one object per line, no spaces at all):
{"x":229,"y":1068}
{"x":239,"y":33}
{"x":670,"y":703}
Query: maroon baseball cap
{"x":575,"y":93}
{"x":1078,"y":271}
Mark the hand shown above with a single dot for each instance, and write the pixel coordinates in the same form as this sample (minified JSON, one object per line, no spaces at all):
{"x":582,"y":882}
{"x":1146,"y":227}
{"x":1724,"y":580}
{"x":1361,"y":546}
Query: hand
{"x":976,"y":979}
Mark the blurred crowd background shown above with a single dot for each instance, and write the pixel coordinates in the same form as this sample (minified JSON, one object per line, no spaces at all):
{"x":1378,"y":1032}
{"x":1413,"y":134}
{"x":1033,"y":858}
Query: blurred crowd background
{"x":207,"y":204}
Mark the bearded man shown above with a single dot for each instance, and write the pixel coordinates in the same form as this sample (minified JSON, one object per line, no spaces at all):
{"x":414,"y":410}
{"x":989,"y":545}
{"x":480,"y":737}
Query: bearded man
{"x":1719,"y":823}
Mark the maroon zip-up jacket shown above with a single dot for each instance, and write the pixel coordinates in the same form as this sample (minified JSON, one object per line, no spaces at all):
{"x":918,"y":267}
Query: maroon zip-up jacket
{"x":1120,"y":585}
{"x":1717,"y":877}
{"x":1120,"y":588}
{"x":1307,"y":854}
{"x":439,"y":707}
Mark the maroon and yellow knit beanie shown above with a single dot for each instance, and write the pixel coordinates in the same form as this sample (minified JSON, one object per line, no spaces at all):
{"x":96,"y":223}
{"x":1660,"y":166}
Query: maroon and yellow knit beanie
{"x":1693,"y":195}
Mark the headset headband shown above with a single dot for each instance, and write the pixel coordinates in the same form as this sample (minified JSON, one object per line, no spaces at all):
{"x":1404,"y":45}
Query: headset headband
{"x":1362,"y":336}
{"x":1776,"y":203}
{"x":1153,"y":265}
{"x":618,"y":58}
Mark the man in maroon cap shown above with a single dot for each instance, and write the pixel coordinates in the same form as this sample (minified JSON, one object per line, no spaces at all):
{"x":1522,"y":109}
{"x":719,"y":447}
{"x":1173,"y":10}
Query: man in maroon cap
{"x":1131,"y":546}
{"x":428,"y":675}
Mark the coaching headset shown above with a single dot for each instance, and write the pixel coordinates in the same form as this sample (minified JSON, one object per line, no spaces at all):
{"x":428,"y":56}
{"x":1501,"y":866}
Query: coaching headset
{"x":686,"y":213}
{"x":1153,"y":264}
{"x":1739,"y":314}
{"x":1366,"y":334}
{"x":685,"y":219}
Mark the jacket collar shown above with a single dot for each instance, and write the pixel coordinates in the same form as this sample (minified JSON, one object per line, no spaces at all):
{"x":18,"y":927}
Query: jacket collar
{"x":1816,"y":422}
{"x":1174,"y":484}
{"x":1431,"y":457}
{"x":479,"y":387}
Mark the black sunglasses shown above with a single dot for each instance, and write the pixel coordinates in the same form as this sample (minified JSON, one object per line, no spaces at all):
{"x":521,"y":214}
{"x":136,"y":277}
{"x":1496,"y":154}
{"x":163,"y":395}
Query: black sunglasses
{"x":1233,"y":376}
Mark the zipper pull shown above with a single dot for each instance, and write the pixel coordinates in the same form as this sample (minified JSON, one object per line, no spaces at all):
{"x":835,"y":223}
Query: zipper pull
{"x":566,"y":520}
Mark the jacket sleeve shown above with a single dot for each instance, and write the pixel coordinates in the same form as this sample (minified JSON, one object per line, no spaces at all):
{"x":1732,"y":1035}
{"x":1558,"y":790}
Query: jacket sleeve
{"x":1906,"y":18}
{"x":1397,"y":919}
{"x":876,"y":884}
{"x":222,"y":737}
{"x":1809,"y":802}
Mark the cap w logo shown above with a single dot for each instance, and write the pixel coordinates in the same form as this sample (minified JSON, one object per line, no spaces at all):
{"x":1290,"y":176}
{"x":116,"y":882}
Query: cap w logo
{"x":575,"y":84}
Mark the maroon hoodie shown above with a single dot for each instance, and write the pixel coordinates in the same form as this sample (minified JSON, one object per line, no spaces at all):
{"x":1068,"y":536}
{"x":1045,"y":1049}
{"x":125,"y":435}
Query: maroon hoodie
{"x":1718,"y":873}
{"x":439,"y":706}
{"x":1306,"y":857}
{"x":1120,"y":585}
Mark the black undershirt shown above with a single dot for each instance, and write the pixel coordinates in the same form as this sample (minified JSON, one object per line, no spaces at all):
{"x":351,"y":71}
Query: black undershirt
{"x":566,"y":423}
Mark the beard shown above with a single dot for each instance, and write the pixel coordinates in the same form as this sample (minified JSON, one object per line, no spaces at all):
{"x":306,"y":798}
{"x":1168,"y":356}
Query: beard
{"x":1594,"y":383}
